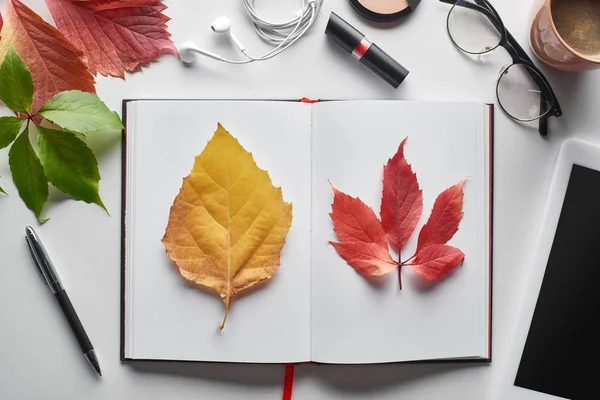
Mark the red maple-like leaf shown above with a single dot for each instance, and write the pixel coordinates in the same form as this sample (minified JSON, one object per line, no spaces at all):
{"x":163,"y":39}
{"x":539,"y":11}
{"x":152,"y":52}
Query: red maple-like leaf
{"x":362,"y":236}
{"x":402,"y":200}
{"x":437,"y":260}
{"x":444,"y":219}
{"x":55,"y":64}
{"x":115,"y":35}
{"x":1,"y":22}
{"x":362,"y":239}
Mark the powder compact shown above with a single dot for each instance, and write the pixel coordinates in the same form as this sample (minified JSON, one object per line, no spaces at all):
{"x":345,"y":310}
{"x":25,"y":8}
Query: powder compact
{"x":384,"y":10}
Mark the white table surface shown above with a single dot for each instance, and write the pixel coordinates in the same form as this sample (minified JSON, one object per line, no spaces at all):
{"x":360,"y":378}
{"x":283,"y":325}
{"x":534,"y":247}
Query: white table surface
{"x":39,"y":358}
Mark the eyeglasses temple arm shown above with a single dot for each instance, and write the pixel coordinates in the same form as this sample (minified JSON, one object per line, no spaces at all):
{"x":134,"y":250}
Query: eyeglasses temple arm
{"x":543,"y":126}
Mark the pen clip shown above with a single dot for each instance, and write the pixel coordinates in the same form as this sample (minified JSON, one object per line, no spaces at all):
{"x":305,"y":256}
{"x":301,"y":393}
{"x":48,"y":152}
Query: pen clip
{"x":35,"y":259}
{"x":42,"y":261}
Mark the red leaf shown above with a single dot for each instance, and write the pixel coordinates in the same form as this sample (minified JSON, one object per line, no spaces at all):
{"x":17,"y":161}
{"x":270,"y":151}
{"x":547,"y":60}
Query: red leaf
{"x":354,"y":221}
{"x":444,"y":219}
{"x":402,"y":200}
{"x":362,"y":239}
{"x":1,"y":22}
{"x":55,"y":64}
{"x":435,"y":261}
{"x":115,"y":35}
{"x":366,"y":258}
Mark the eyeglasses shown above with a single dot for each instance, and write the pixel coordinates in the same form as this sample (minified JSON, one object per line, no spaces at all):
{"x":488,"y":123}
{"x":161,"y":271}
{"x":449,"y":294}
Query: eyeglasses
{"x":523,"y":92}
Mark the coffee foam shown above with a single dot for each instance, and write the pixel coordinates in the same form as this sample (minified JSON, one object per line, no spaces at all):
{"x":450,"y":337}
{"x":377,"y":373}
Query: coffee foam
{"x":578,"y":23}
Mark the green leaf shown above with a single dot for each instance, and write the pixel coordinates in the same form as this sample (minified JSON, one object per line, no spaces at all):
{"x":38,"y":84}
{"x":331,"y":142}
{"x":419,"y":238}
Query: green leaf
{"x":69,"y":164}
{"x":2,"y":190}
{"x":9,"y":129}
{"x":16,"y":86}
{"x":28,"y":174}
{"x":80,"y":112}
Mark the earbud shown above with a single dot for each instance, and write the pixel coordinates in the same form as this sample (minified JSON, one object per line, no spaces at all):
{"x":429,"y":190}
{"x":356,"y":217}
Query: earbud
{"x":187,"y":50}
{"x":222,"y":26}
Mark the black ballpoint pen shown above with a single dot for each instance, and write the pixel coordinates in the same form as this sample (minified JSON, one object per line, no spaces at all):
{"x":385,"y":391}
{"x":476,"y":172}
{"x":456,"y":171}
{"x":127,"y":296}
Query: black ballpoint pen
{"x":46,"y":268}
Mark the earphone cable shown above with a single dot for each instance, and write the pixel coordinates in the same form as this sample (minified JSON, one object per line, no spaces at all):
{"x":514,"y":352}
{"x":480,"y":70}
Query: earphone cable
{"x":277,"y":50}
{"x":278,"y":33}
{"x":299,"y":30}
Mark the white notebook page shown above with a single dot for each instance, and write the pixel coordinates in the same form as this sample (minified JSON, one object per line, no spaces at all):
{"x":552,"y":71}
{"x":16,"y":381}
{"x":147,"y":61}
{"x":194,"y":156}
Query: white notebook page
{"x":354,"y":321}
{"x":167,"y":318}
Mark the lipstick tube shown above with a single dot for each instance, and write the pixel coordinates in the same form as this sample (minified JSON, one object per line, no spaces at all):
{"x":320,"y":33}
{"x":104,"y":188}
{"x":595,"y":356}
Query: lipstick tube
{"x":368,"y":53}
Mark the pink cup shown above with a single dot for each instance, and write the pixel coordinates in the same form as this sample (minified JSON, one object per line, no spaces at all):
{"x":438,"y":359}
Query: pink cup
{"x":550,"y":47}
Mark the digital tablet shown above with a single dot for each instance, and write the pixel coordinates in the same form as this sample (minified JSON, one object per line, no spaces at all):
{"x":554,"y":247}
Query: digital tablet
{"x":553,"y":354}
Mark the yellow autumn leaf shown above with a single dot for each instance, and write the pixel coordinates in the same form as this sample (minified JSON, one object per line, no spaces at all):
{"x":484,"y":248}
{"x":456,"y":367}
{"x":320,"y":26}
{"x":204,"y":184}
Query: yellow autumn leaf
{"x":228,"y":223}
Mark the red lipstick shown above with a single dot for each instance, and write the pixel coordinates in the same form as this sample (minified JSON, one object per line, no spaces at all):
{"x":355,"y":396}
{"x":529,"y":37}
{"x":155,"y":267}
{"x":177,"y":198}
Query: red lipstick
{"x":367,"y":52}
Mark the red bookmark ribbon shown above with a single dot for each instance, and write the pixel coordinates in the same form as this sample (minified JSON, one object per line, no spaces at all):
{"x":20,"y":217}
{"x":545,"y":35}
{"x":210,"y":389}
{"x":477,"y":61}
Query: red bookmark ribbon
{"x":288,"y":383}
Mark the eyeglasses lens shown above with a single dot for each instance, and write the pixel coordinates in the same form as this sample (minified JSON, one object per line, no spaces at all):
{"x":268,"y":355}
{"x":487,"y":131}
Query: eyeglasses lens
{"x":471,"y":30}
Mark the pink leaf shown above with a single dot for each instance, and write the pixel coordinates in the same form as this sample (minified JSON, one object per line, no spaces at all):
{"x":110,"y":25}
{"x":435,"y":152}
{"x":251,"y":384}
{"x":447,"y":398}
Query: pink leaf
{"x":55,"y":64}
{"x":444,"y":219}
{"x":437,"y":260}
{"x":366,"y":258}
{"x":362,"y":239}
{"x":115,"y":35}
{"x":402,"y":200}
{"x":354,"y":221}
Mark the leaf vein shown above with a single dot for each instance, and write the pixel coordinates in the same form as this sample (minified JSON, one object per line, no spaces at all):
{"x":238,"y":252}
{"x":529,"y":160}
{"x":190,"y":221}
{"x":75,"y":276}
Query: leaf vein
{"x":200,"y":248}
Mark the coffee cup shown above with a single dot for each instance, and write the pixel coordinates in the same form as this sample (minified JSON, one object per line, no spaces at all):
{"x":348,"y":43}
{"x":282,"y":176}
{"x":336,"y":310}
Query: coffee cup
{"x":565,"y":34}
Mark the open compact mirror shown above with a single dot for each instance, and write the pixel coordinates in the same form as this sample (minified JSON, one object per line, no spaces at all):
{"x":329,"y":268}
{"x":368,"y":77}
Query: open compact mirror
{"x":384,"y":10}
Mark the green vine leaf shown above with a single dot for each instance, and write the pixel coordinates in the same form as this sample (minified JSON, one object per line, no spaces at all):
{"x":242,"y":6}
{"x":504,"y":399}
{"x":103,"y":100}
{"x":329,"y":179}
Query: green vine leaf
{"x":28,"y":174}
{"x":16,"y":85}
{"x":10,"y":127}
{"x":80,"y":112}
{"x":69,"y":164}
{"x":64,"y":159}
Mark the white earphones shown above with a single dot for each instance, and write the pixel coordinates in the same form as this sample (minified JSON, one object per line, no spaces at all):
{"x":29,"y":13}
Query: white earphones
{"x":273,"y":33}
{"x":222,"y":25}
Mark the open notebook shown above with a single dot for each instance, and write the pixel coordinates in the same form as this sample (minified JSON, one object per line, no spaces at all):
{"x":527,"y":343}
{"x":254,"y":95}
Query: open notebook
{"x":316,"y":307}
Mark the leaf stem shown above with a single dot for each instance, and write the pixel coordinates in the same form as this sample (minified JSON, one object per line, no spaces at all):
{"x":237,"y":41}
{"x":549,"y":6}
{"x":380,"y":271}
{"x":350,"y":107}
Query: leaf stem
{"x":409,"y":260}
{"x":400,"y":264}
{"x":400,"y":276}
{"x":225,"y":317}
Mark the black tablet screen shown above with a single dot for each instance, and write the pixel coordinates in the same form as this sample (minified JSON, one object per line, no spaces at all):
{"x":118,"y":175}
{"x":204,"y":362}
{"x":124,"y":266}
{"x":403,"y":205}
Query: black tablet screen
{"x":563,"y":337}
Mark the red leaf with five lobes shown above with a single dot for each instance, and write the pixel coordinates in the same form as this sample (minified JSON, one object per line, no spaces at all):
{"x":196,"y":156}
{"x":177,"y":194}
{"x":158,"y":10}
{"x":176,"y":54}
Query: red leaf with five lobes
{"x":437,"y":260}
{"x":115,"y":35}
{"x":402,"y":200}
{"x":366,"y":258}
{"x":362,"y":239}
{"x":55,"y":64}
{"x":444,"y":219}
